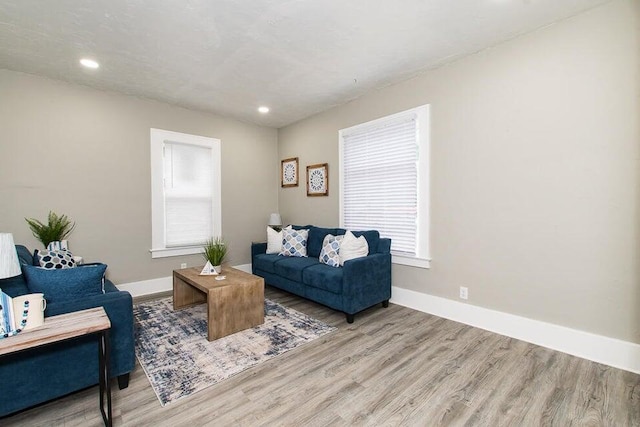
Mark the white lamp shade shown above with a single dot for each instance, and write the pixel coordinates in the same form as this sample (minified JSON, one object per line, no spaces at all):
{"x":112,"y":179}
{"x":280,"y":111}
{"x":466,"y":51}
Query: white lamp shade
{"x":274,"y":219}
{"x":9,"y":265}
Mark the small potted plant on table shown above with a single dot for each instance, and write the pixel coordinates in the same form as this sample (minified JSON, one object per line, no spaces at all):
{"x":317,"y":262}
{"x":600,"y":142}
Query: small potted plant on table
{"x":214,"y":252}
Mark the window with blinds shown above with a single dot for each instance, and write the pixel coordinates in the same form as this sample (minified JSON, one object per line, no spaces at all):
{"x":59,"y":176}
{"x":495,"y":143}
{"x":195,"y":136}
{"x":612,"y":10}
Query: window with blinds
{"x":186,"y":202}
{"x":188,"y":194}
{"x":384,"y":180}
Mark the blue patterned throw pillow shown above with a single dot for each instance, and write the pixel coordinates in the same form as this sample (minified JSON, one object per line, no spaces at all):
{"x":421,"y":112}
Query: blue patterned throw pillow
{"x":330,"y":253}
{"x":294,"y":242}
{"x":55,"y":259}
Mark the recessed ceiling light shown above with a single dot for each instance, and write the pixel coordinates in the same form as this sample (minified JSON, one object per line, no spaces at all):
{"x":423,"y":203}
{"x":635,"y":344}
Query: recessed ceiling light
{"x":89,"y":63}
{"x":263,"y":110}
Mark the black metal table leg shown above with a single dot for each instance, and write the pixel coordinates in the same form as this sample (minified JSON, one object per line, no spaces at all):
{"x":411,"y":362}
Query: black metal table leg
{"x":107,"y":376}
{"x":103,"y":377}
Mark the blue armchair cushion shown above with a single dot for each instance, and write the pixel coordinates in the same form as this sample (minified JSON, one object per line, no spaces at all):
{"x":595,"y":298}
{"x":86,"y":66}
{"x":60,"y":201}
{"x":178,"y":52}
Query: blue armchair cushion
{"x":66,"y":284}
{"x":24,"y":255}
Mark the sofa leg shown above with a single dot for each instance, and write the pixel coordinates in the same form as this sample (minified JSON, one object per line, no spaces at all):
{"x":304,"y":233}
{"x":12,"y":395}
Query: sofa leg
{"x":385,"y":304}
{"x":123,"y":381}
{"x":350,"y":318}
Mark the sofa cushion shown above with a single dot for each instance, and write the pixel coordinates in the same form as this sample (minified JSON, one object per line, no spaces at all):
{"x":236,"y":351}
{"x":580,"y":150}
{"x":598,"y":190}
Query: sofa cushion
{"x":67,"y":283}
{"x":323,"y":276}
{"x":294,"y":242}
{"x":24,"y":255}
{"x":291,"y":267}
{"x":14,"y":286}
{"x":266,"y":262}
{"x":316,"y":239}
{"x":299,"y":227}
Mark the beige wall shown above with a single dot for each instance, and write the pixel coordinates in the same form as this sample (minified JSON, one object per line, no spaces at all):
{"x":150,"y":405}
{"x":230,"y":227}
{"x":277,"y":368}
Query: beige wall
{"x":85,"y":153}
{"x":535,"y":172}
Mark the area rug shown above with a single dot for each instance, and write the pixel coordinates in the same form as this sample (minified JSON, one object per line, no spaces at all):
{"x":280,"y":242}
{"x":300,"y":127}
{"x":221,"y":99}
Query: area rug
{"x":173,"y":350}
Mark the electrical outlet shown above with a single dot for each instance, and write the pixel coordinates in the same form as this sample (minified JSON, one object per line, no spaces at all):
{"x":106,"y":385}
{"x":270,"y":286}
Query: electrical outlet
{"x":183,"y":265}
{"x":464,"y":292}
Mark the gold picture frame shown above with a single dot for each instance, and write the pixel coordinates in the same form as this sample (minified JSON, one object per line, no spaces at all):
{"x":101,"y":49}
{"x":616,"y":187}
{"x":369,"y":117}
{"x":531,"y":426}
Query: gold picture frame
{"x":289,"y":172}
{"x":318,"y":180}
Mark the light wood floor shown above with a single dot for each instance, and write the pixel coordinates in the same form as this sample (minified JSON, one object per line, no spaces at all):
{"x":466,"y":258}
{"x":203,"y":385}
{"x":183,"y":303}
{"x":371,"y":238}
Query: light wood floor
{"x":392,"y":367}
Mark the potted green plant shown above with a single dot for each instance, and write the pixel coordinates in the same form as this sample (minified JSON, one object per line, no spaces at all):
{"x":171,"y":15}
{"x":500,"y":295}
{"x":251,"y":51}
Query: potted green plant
{"x":56,"y":229}
{"x":214,"y":252}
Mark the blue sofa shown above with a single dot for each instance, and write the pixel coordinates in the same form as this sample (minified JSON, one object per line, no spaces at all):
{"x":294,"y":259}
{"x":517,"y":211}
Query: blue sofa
{"x":359,"y":284}
{"x":35,"y":376}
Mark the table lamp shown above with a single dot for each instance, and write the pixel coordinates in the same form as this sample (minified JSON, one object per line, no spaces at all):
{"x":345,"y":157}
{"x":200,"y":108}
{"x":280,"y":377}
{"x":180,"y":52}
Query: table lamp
{"x":275,"y":221}
{"x":9,"y":265}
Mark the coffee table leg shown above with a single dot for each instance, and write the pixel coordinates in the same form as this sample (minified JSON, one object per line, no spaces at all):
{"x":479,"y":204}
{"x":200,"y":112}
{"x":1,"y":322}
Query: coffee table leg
{"x":185,"y":295}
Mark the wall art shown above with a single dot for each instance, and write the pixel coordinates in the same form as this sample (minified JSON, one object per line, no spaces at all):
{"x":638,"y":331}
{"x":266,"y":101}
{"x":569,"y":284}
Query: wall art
{"x":289,"y":172}
{"x":318,"y":180}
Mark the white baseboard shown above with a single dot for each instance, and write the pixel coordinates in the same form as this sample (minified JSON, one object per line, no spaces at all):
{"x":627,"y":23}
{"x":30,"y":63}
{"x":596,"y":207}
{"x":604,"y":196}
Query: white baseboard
{"x":609,"y":351}
{"x":148,"y":287}
{"x":243,"y":267}
{"x":161,"y":284}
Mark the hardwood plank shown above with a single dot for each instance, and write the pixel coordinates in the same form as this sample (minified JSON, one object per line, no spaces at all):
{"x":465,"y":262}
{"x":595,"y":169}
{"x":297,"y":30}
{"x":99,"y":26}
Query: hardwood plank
{"x":392,"y":367}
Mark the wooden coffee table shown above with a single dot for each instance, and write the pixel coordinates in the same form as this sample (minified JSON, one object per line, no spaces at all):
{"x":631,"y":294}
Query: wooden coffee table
{"x":233,"y":304}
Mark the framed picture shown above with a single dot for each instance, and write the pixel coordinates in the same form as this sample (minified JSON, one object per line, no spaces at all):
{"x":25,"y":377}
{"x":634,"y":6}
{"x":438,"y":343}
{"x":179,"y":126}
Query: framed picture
{"x":318,"y":180}
{"x":289,"y":172}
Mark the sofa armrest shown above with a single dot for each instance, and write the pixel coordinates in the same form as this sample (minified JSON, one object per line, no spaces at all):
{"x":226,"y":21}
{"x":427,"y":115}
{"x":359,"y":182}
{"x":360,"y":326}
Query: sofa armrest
{"x":258,"y":248}
{"x":366,"y":281}
{"x":119,"y":308}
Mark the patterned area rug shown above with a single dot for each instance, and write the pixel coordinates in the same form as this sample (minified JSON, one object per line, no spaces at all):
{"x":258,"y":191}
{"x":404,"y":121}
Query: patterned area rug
{"x":174,"y":352}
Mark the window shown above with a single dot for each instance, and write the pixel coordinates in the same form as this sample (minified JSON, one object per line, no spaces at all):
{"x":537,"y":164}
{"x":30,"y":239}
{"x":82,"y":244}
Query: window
{"x":185,"y":192}
{"x":384,"y":182}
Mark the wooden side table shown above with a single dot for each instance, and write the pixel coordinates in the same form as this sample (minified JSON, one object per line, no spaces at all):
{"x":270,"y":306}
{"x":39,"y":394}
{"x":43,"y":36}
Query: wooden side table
{"x":66,"y":327}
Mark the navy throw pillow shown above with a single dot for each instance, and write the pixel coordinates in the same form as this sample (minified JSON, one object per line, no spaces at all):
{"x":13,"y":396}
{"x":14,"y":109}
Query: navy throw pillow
{"x":67,"y":283}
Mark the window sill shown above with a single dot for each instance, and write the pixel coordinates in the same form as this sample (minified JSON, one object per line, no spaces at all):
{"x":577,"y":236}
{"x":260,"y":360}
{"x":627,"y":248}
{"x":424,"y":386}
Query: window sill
{"x":167,"y":252}
{"x":411,"y":261}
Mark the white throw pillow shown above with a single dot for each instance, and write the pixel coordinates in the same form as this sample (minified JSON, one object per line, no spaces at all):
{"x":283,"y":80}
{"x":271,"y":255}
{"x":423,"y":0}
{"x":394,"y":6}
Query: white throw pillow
{"x":274,"y":240}
{"x":353,"y":247}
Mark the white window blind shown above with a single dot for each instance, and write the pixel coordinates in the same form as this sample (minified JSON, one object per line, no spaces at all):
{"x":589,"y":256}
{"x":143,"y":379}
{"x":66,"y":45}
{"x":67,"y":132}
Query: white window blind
{"x":380,"y":174}
{"x":384,"y":182}
{"x":188,"y":194}
{"x":185,"y":192}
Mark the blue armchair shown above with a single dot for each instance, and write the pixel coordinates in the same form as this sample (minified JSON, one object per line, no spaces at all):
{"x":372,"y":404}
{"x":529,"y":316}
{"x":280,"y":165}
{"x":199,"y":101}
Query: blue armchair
{"x":35,"y":376}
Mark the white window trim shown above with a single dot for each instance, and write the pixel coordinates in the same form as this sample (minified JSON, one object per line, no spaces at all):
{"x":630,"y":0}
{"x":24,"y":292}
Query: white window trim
{"x":157,"y":138}
{"x":422,"y":260}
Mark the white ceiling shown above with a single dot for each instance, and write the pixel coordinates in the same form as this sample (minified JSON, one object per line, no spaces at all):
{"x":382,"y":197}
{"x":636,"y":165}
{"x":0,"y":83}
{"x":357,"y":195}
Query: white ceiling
{"x":299,"y":57}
